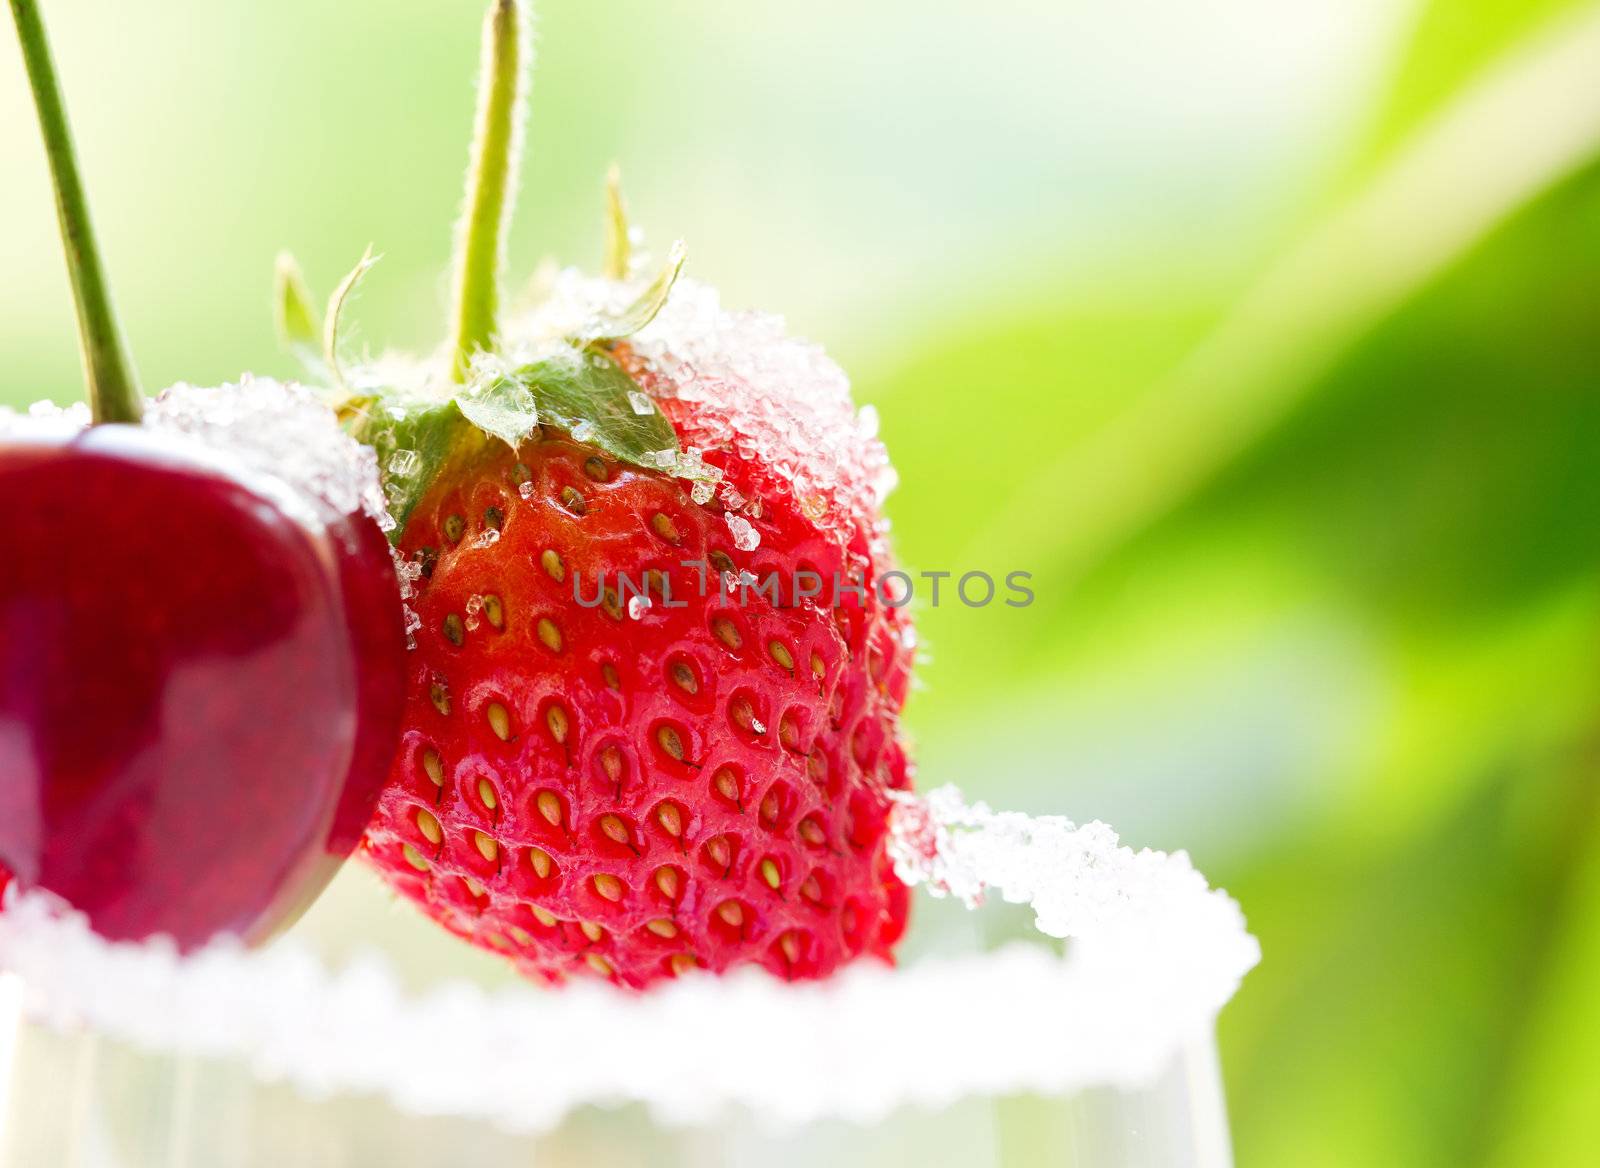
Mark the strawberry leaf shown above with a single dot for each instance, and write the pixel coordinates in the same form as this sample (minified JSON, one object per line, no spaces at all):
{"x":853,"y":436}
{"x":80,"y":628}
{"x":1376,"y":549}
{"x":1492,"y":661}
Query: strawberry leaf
{"x":643,"y":310}
{"x":619,"y":248}
{"x":588,"y":394}
{"x":503,"y":408}
{"x":336,"y":303}
{"x":413,"y":449}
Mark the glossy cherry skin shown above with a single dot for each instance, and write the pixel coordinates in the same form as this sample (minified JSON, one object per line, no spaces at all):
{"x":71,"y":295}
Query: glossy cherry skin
{"x":200,"y":683}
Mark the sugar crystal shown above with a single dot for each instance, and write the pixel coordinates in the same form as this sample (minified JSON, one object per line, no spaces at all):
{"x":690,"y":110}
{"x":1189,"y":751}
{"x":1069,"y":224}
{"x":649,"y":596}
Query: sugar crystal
{"x":745,"y":537}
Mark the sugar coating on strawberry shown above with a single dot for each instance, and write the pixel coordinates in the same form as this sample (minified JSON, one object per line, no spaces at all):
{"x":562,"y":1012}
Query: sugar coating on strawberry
{"x":633,"y":746}
{"x":738,"y":382}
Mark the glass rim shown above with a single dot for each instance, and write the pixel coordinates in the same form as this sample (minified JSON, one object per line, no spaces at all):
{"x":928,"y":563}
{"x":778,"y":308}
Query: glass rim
{"x":1154,"y":955}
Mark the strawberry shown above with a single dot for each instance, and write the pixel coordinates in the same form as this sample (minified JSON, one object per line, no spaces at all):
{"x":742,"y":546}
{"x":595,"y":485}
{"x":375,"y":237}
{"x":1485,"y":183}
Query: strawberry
{"x":589,"y":781}
{"x":653,"y":707}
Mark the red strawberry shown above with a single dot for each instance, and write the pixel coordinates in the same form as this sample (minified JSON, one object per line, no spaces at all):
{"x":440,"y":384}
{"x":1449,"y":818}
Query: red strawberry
{"x":595,"y":780}
{"x":635,"y":792}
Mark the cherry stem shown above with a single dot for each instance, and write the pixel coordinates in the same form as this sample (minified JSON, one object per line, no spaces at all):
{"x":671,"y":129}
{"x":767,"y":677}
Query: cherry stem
{"x":113,"y":385}
{"x":491,"y":180}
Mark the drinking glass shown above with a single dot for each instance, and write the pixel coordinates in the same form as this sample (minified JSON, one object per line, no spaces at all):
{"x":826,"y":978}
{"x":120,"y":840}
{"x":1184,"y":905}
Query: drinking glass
{"x":367,"y":1036}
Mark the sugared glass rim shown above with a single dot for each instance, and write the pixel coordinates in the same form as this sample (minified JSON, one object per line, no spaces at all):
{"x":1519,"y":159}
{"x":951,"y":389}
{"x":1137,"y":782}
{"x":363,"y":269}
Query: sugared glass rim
{"x":1154,"y":955}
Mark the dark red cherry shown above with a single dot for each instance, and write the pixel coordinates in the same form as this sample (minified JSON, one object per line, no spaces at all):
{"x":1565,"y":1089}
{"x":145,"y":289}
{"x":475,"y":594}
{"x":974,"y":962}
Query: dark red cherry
{"x":200,"y":630}
{"x":199,"y":682}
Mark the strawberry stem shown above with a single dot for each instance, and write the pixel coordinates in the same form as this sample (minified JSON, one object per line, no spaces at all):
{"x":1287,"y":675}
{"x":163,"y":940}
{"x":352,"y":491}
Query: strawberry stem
{"x":113,"y":385}
{"x":491,"y":179}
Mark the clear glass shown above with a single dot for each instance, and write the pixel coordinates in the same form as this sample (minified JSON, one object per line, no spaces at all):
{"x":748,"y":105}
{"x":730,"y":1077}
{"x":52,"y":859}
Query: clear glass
{"x":77,"y":1100}
{"x":1067,"y":1023}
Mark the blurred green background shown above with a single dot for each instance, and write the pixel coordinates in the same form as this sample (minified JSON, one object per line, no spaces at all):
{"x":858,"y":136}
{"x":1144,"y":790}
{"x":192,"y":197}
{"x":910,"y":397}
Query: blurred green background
{"x":1266,"y":335}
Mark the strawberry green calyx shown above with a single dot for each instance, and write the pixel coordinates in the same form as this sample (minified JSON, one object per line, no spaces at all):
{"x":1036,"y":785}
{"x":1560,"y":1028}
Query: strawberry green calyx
{"x":608,"y":328}
{"x":312,"y":337}
{"x":336,"y":303}
{"x":574,"y":384}
{"x":298,"y":321}
{"x":580,"y":390}
{"x":425,"y":417}
{"x":491,"y":181}
{"x":619,"y":247}
{"x":113,"y":386}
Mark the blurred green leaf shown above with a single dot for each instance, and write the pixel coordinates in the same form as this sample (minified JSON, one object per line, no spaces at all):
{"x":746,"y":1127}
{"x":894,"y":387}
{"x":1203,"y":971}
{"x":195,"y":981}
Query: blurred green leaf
{"x":1448,"y":44}
{"x":1549,"y":1117}
{"x":1435,"y":201}
{"x":1394,"y":439}
{"x":1435,"y":482}
{"x":1402,"y":979}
